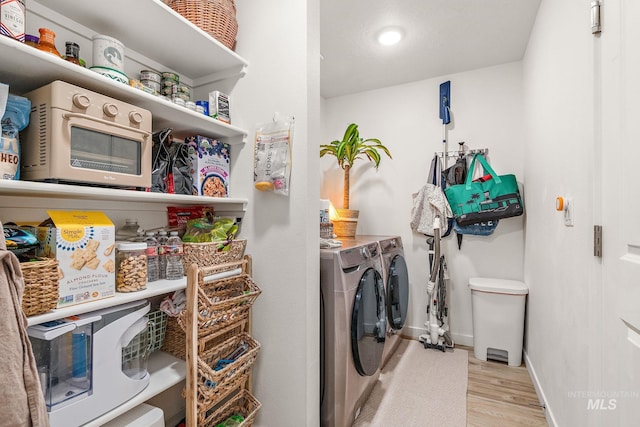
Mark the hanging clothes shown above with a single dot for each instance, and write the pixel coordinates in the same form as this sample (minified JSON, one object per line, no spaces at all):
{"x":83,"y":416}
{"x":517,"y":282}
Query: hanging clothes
{"x":430,"y":202}
{"x":20,"y":392}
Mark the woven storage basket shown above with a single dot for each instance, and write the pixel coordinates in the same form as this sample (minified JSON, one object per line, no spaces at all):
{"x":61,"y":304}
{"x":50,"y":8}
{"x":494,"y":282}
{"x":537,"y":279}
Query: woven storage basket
{"x":214,"y":384}
{"x":222,"y":302}
{"x":209,"y":254}
{"x":40,"y":286}
{"x":215,"y":17}
{"x":175,"y":341}
{"x":242,"y":403}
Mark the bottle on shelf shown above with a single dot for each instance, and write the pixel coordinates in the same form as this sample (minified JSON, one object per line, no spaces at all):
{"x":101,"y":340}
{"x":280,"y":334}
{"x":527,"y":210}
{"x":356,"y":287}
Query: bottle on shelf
{"x":72,"y":53}
{"x":153,"y":267}
{"x":175,"y":270}
{"x":47,"y":42}
{"x":162,"y":254}
{"x":129,"y":231}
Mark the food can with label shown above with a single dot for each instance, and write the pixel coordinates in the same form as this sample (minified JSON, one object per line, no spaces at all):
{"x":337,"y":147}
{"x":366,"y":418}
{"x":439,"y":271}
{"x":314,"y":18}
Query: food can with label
{"x":154,"y":76}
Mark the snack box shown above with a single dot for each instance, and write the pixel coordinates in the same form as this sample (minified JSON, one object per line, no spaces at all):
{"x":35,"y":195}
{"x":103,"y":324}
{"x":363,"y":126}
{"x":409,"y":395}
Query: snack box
{"x":83,"y":243}
{"x":209,"y":165}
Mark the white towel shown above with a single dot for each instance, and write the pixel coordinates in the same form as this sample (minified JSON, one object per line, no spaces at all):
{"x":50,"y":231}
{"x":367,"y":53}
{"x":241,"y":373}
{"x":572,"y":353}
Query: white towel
{"x":429,"y":203}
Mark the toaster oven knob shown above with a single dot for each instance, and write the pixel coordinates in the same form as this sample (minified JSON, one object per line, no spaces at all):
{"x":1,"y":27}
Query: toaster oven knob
{"x":135,"y":117}
{"x":110,"y":110}
{"x":81,"y":101}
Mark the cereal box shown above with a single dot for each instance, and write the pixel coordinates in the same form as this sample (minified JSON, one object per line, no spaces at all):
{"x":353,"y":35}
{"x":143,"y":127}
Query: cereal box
{"x":209,"y":161}
{"x":83,"y":243}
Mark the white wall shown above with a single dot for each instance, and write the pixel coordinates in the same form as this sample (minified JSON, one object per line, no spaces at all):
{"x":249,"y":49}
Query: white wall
{"x":281,"y":43}
{"x":486,"y":107}
{"x":563,"y":313}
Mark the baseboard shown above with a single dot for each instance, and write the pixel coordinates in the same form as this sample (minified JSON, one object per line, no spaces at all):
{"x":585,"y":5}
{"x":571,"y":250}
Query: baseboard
{"x":548,"y":413}
{"x":414,"y":333}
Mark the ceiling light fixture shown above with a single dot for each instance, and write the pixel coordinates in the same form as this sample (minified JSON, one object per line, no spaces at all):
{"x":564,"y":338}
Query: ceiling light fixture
{"x":389,"y":36}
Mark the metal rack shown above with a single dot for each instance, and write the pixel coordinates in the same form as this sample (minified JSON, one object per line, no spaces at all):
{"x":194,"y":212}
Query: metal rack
{"x":444,"y":155}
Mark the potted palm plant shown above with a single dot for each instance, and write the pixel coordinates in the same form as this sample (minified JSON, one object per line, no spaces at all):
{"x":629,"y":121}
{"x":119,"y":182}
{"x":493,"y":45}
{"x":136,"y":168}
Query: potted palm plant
{"x":351,"y":148}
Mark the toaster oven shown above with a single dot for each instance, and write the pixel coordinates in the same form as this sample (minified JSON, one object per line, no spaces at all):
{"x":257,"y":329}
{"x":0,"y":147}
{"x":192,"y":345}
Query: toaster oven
{"x":79,"y":136}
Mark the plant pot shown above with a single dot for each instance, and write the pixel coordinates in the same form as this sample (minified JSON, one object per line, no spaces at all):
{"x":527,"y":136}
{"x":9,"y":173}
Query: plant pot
{"x":346,"y":223}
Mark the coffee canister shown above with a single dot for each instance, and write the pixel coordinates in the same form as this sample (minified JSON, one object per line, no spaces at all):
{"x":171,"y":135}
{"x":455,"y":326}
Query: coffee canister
{"x":108,"y":52}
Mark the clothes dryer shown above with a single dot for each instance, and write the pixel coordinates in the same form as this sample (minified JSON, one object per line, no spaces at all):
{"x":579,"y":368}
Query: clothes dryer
{"x":352,"y":329}
{"x":396,"y":286}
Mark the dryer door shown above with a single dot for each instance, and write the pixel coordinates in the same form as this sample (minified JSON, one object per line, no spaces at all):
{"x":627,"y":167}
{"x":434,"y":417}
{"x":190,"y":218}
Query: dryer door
{"x":368,"y":323}
{"x":397,"y":292}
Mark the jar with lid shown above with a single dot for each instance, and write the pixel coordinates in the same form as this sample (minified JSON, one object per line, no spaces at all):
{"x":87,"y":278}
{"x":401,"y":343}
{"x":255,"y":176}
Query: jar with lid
{"x":31,"y":40}
{"x":47,"y":42}
{"x":129,"y":230}
{"x":131,"y":266}
{"x":72,"y":53}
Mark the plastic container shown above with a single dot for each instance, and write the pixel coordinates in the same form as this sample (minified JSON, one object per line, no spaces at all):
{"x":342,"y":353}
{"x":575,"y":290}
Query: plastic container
{"x":162,"y":254}
{"x":498,"y":319}
{"x":131,"y":266}
{"x":173,"y":251}
{"x":108,"y":52}
{"x":153,"y":262}
{"x":47,"y":42}
{"x":129,"y":230}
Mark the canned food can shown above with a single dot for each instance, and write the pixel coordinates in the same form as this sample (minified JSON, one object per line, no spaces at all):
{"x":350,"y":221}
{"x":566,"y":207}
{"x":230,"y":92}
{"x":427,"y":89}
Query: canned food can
{"x":184,"y":89}
{"x":151,"y":84}
{"x":190,"y":105}
{"x":178,"y":101}
{"x":151,"y":75}
{"x":169,"y":90}
{"x":169,"y":83}
{"x":200,"y":109}
{"x":167,"y":75}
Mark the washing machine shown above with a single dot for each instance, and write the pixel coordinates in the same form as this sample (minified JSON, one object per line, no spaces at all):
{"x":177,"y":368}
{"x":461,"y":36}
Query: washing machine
{"x":396,"y":286}
{"x":352,"y":329}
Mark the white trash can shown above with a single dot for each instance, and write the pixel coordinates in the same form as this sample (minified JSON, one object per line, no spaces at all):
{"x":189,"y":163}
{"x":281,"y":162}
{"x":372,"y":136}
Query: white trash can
{"x":498,"y":319}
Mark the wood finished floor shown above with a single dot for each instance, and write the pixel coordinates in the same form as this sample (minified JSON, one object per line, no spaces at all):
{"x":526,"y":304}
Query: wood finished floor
{"x":500,"y":395}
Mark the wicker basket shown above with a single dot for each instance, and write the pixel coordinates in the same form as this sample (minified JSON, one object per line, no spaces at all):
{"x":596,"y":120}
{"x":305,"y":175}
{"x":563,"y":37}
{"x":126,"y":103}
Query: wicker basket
{"x":215,"y":384}
{"x":209,"y":254}
{"x":40,"y":286}
{"x":215,"y":17}
{"x":242,"y":403}
{"x":175,"y":341}
{"x":222,"y":302}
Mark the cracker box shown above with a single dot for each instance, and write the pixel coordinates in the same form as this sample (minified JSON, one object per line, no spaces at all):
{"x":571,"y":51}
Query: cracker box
{"x":83,"y":243}
{"x":209,"y":162}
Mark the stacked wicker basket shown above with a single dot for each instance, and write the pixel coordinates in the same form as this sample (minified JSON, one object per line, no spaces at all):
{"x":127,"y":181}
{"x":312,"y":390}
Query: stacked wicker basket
{"x":216,"y":323}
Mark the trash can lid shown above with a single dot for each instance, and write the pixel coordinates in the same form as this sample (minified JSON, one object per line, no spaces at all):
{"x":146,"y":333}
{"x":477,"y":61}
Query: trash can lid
{"x":500,"y":286}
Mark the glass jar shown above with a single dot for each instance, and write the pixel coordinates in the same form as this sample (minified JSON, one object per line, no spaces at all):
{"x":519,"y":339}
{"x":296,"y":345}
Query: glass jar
{"x":72,"y":53}
{"x":31,"y":40}
{"x":131,"y":266}
{"x":47,"y":41}
{"x":129,"y":231}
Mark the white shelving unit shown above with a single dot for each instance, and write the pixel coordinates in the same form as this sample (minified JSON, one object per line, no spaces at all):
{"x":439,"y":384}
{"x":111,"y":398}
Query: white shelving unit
{"x":159,"y":287}
{"x":167,"y":42}
{"x":166,"y":371}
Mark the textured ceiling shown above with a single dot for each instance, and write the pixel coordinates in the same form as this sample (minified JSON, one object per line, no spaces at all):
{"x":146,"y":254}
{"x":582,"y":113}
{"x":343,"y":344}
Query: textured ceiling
{"x":441,"y":37}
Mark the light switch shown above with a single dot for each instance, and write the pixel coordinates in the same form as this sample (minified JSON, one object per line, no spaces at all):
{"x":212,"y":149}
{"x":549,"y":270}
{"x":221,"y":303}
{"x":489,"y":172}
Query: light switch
{"x":568,"y":212}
